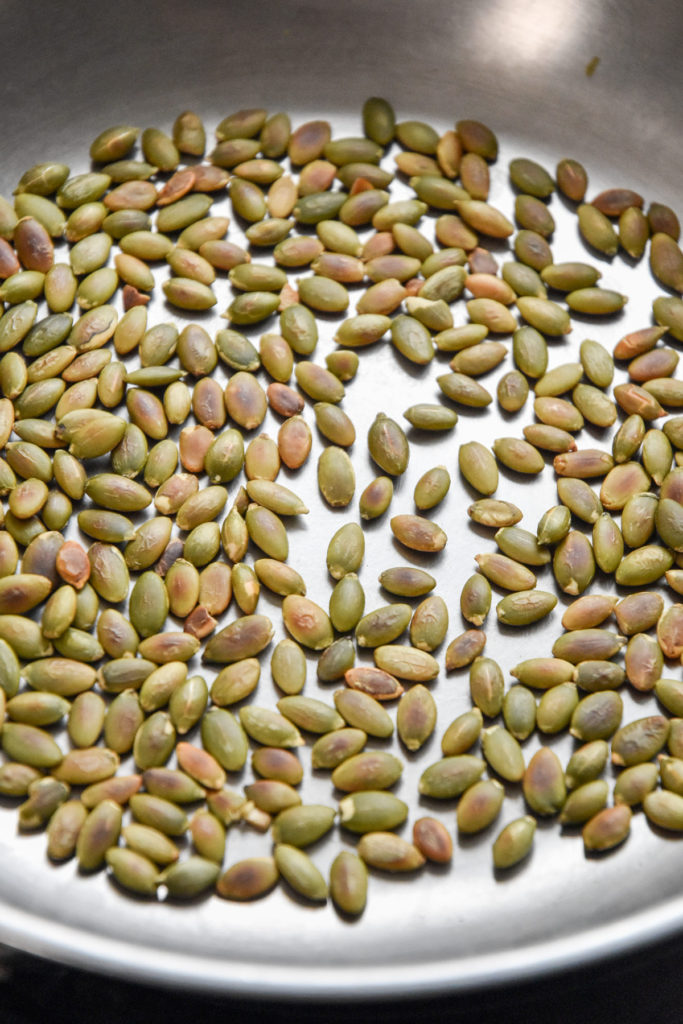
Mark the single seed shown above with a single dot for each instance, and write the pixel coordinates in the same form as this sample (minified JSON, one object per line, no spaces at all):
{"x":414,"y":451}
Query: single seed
{"x":418,"y":533}
{"x":525,"y":607}
{"x":478,"y":466}
{"x":607,"y":828}
{"x":248,"y":879}
{"x":505,"y":572}
{"x":486,"y":686}
{"x":543,"y":783}
{"x":514,"y":842}
{"x":493,"y":512}
{"x":479,"y":806}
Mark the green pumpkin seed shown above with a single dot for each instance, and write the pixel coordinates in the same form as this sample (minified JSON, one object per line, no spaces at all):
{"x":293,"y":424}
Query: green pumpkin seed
{"x":543,"y":783}
{"x":347,"y":603}
{"x":607,"y":828}
{"x":248,"y":879}
{"x":503,"y":753}
{"x":634,"y":783}
{"x":524,"y":607}
{"x":388,"y":852}
{"x":461,"y":734}
{"x":304,"y":825}
{"x":300,"y":872}
{"x":640,"y":740}
{"x":99,"y":832}
{"x":376,"y":497}
{"x":519,"y":712}
{"x":363,"y":712}
{"x":478,"y":466}
{"x":330,"y":749}
{"x":596,"y":230}
{"x":486,"y":685}
{"x":554,"y":525}
{"x":463,"y":649}
{"x":514,"y":842}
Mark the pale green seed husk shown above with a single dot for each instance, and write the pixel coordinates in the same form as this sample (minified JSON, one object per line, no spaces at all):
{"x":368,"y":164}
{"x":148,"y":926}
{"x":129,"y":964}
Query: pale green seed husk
{"x":543,"y":783}
{"x":634,"y":783}
{"x":248,"y":879}
{"x":303,"y":825}
{"x":133,"y":871}
{"x":416,"y":717}
{"x":332,"y":748}
{"x":335,"y":660}
{"x":363,"y":712}
{"x":269,"y":727}
{"x":640,"y":740}
{"x":383,"y":625}
{"x":347,"y":603}
{"x":607,"y":828}
{"x":486,"y":685}
{"x":494,"y":512}
{"x":585,"y":802}
{"x":556,"y":707}
{"x":505,"y":572}
{"x":519,"y":712}
{"x":525,"y":607}
{"x":299,"y":871}
{"x":514,"y":842}
{"x":388,"y":852}
{"x":478,"y":466}
{"x":479,"y":806}
{"x":462,"y":733}
{"x":503,"y":753}
{"x":99,"y":832}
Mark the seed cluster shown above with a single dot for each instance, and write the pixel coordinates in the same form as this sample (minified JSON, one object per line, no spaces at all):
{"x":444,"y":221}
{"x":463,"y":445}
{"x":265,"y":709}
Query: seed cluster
{"x":104,"y":435}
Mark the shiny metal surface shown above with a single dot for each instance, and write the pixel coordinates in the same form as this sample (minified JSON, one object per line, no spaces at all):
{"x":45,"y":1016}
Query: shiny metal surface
{"x":71,"y":70}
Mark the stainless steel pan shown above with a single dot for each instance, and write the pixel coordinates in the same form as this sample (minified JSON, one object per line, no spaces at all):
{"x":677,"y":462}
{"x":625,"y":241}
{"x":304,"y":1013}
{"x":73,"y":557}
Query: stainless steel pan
{"x":69,"y":71}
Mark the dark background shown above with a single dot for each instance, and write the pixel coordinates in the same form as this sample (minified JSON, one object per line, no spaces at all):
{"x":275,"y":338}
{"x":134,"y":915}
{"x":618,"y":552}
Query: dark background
{"x":644,"y":986}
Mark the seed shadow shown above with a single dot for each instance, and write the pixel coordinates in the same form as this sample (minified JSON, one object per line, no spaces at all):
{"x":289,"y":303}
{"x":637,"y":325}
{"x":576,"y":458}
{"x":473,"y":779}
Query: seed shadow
{"x":570,"y":205}
{"x":189,"y":315}
{"x":528,"y":630}
{"x":605,"y":318}
{"x":467,"y":841}
{"x":553,"y":739}
{"x":592,"y":252}
{"x":663,"y":833}
{"x":509,"y":417}
{"x":516,"y":477}
{"x":472,"y":493}
{"x":480,"y":530}
{"x":134,"y":897}
{"x":413,"y":756}
{"x":424,"y":438}
{"x":302,"y":901}
{"x":475,"y":412}
{"x":600,"y":854}
{"x":431,"y":803}
{"x":417,"y":371}
{"x":422,"y":559}
{"x":396,"y":877}
{"x":189,"y":904}
{"x":641,"y":697}
{"x":596,"y":433}
{"x":343,"y":915}
{"x":433,"y":867}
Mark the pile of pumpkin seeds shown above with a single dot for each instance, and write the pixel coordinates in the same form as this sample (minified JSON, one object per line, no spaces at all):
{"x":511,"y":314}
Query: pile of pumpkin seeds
{"x":119,"y":749}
